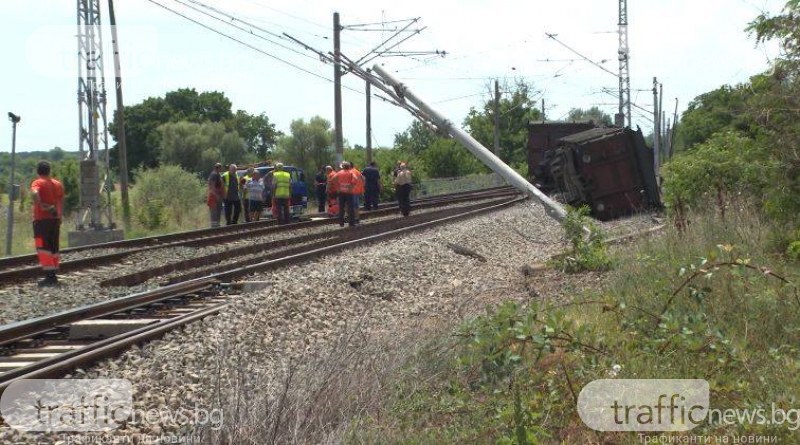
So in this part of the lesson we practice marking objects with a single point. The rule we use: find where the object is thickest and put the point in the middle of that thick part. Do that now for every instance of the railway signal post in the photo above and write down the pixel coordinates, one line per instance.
(12, 188)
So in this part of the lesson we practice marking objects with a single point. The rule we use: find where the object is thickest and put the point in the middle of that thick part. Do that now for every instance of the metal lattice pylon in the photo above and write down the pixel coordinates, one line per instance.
(92, 117)
(624, 116)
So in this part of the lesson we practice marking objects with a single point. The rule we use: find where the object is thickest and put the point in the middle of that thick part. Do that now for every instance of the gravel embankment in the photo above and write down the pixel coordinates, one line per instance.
(24, 300)
(386, 288)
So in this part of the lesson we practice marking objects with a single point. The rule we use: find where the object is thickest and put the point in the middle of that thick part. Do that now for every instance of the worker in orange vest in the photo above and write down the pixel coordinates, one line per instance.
(346, 182)
(48, 201)
(359, 190)
(331, 191)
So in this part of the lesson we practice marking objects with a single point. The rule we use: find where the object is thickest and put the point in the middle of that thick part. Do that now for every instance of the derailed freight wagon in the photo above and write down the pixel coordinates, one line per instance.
(608, 169)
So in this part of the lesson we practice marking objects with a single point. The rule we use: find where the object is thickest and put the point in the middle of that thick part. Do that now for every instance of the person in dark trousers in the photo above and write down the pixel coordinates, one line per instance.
(216, 195)
(372, 186)
(346, 184)
(321, 185)
(402, 186)
(245, 193)
(282, 191)
(232, 194)
(48, 200)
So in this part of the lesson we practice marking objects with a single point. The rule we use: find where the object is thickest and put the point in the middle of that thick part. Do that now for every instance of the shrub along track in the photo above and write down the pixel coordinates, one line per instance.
(51, 346)
(215, 236)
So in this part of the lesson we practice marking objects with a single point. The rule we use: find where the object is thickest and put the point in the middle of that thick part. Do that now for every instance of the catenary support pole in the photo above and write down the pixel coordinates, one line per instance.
(674, 126)
(496, 117)
(656, 128)
(369, 121)
(337, 89)
(553, 208)
(663, 125)
(544, 112)
(122, 145)
(10, 223)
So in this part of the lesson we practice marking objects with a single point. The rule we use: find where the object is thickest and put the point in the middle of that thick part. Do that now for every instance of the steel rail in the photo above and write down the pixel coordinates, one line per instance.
(343, 236)
(60, 364)
(15, 275)
(20, 260)
(16, 331)
(316, 253)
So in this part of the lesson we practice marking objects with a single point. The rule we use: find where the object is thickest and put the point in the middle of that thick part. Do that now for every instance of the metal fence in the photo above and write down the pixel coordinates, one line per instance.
(441, 186)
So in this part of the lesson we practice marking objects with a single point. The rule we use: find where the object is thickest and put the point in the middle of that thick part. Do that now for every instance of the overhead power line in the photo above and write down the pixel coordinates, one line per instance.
(358, 25)
(385, 41)
(232, 22)
(241, 42)
(553, 36)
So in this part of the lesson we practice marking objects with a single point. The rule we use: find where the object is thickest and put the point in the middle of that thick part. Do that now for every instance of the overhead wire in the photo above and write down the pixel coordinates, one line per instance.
(241, 42)
(232, 21)
(385, 41)
(302, 19)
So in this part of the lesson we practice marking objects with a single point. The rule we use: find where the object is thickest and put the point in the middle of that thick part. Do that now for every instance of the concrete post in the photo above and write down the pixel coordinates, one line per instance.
(554, 209)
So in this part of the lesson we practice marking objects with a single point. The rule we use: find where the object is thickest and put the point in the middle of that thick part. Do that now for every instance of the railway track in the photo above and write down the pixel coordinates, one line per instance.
(208, 237)
(50, 346)
(199, 234)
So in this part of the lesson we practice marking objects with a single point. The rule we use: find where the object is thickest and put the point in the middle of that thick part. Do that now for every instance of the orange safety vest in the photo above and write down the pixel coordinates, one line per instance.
(50, 191)
(346, 182)
(332, 187)
(359, 187)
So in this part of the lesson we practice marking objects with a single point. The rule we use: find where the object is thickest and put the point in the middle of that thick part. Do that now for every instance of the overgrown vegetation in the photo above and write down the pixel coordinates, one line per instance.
(710, 302)
(587, 251)
(164, 196)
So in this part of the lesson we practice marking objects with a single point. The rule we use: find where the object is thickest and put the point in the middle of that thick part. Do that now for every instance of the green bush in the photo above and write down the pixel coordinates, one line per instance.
(152, 215)
(727, 164)
(165, 194)
(587, 252)
(793, 251)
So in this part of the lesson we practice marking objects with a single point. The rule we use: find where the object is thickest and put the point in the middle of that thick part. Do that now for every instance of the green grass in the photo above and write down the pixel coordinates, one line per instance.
(713, 302)
(22, 238)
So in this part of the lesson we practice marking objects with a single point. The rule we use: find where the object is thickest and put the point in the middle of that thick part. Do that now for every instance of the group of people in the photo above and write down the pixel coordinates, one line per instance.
(343, 189)
(229, 194)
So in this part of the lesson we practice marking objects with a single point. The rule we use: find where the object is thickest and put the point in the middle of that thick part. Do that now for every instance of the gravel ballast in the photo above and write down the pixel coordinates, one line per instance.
(24, 300)
(382, 288)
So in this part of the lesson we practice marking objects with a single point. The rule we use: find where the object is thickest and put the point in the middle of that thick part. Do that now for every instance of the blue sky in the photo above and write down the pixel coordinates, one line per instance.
(691, 46)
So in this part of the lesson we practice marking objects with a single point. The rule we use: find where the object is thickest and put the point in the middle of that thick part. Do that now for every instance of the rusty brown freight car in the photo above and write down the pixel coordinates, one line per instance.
(544, 136)
(608, 169)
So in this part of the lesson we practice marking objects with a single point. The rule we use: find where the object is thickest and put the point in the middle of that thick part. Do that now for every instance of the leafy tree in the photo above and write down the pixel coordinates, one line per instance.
(722, 109)
(187, 104)
(416, 139)
(166, 193)
(56, 154)
(783, 28)
(196, 147)
(776, 109)
(446, 158)
(309, 144)
(257, 131)
(68, 172)
(592, 114)
(143, 120)
(728, 163)
(516, 111)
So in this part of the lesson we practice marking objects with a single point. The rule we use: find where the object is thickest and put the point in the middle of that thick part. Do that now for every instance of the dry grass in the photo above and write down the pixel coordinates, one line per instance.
(316, 400)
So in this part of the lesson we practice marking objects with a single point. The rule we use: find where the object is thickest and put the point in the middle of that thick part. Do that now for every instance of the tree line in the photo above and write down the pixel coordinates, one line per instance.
(738, 144)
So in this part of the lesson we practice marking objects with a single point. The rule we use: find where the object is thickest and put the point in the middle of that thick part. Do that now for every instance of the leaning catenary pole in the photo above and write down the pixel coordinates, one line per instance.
(553, 208)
